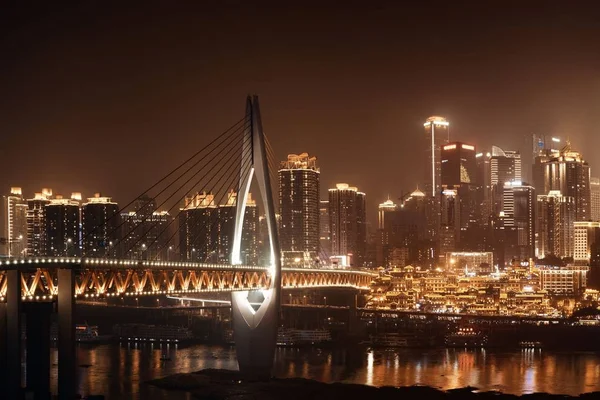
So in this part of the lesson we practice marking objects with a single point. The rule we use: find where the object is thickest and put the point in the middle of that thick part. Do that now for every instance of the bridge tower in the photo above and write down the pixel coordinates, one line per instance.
(256, 312)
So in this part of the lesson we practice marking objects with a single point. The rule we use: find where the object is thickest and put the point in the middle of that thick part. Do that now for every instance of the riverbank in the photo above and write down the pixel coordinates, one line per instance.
(217, 384)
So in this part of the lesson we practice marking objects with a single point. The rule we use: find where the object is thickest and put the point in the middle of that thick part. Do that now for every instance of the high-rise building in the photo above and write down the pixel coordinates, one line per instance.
(595, 199)
(518, 220)
(450, 223)
(586, 235)
(569, 173)
(146, 234)
(36, 220)
(460, 173)
(199, 229)
(299, 209)
(250, 242)
(436, 136)
(62, 220)
(99, 227)
(324, 231)
(13, 224)
(543, 151)
(484, 189)
(347, 223)
(555, 215)
(505, 166)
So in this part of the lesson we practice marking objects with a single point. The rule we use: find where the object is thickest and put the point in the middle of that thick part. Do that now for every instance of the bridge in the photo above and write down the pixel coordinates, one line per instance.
(104, 278)
(127, 251)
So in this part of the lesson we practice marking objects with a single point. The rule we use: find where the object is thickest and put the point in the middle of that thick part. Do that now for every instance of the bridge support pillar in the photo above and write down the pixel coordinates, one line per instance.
(352, 316)
(11, 335)
(38, 349)
(67, 372)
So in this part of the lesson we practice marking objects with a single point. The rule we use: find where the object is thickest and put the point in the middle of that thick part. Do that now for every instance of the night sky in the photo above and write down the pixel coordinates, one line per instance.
(108, 98)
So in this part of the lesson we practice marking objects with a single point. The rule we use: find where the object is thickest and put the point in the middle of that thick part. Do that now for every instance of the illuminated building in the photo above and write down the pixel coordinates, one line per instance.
(484, 189)
(595, 199)
(555, 215)
(518, 220)
(586, 235)
(437, 134)
(569, 173)
(199, 228)
(569, 280)
(62, 227)
(460, 173)
(347, 223)
(505, 166)
(543, 152)
(250, 234)
(99, 226)
(13, 224)
(324, 230)
(449, 234)
(470, 262)
(145, 232)
(36, 219)
(299, 209)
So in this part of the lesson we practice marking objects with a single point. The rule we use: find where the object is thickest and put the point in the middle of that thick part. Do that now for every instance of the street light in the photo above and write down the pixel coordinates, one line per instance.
(193, 252)
(67, 246)
(325, 299)
(169, 251)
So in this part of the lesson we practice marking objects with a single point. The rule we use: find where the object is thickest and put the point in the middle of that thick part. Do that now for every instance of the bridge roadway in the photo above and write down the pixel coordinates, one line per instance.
(101, 278)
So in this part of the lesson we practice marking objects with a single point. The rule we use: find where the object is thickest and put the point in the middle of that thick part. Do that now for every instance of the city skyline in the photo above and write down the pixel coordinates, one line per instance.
(391, 94)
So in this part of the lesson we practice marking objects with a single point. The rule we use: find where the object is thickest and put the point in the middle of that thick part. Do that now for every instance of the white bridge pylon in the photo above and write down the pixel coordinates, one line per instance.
(256, 312)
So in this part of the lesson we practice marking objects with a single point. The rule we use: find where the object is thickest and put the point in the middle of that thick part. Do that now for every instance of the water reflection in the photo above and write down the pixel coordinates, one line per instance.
(120, 371)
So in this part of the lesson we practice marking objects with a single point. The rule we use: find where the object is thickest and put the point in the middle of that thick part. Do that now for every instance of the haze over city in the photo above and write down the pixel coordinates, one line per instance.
(103, 87)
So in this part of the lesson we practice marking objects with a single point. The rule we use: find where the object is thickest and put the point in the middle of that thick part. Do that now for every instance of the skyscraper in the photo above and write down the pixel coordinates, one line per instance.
(450, 223)
(505, 166)
(555, 215)
(569, 173)
(595, 199)
(347, 223)
(324, 231)
(62, 227)
(518, 216)
(587, 249)
(250, 233)
(99, 226)
(13, 224)
(36, 220)
(436, 135)
(146, 232)
(299, 209)
(199, 229)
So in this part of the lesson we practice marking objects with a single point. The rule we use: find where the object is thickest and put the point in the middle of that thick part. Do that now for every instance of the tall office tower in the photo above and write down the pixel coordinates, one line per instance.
(99, 227)
(587, 249)
(450, 222)
(543, 151)
(146, 234)
(460, 173)
(299, 209)
(484, 189)
(555, 215)
(199, 228)
(13, 224)
(436, 135)
(324, 232)
(518, 215)
(250, 241)
(36, 220)
(386, 214)
(595, 199)
(347, 224)
(62, 227)
(569, 173)
(505, 166)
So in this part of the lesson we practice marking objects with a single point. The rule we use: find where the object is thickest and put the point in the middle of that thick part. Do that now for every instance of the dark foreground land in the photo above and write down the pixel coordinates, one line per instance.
(222, 384)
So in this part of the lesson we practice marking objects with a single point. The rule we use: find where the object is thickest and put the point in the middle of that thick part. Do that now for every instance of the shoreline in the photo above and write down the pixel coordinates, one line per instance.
(217, 384)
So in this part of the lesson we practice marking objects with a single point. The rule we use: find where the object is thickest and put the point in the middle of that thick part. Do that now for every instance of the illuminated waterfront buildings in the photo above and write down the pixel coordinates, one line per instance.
(595, 199)
(436, 136)
(518, 220)
(324, 231)
(13, 223)
(569, 173)
(250, 230)
(555, 215)
(62, 221)
(347, 223)
(505, 166)
(199, 229)
(36, 220)
(99, 226)
(470, 262)
(299, 209)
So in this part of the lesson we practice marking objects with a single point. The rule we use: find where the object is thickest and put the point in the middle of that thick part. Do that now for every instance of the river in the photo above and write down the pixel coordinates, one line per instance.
(120, 371)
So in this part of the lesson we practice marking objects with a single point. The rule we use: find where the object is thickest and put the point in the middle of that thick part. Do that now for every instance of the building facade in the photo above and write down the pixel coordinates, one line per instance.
(62, 220)
(99, 227)
(299, 209)
(518, 220)
(36, 223)
(437, 134)
(556, 216)
(347, 223)
(595, 199)
(13, 224)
